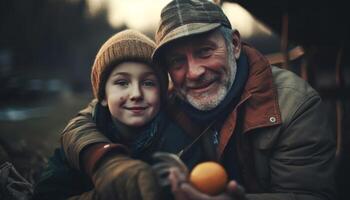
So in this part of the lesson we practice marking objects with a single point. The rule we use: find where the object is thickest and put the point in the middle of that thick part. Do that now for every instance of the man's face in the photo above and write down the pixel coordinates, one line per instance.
(201, 69)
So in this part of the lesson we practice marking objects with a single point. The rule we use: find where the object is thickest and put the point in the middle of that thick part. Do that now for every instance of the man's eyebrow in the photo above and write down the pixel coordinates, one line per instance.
(171, 55)
(209, 42)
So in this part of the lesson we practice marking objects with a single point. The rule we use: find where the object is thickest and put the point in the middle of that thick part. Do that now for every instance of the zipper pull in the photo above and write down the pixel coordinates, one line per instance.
(216, 137)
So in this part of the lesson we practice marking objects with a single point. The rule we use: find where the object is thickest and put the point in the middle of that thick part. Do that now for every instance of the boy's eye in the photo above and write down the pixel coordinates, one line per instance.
(149, 83)
(121, 82)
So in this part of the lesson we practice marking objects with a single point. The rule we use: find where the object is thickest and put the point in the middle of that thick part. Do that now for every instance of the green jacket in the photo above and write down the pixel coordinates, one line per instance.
(291, 147)
(285, 146)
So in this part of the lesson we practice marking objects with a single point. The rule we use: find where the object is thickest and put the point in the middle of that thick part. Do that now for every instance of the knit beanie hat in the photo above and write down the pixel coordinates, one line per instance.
(128, 45)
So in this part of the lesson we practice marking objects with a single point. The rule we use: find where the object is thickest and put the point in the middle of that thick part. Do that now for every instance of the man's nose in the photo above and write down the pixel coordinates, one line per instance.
(195, 69)
(135, 93)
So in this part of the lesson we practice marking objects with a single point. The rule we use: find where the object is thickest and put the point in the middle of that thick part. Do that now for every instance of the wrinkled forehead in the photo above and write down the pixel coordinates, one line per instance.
(192, 41)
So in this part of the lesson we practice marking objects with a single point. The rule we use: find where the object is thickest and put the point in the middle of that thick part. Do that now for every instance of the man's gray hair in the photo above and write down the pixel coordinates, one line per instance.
(227, 34)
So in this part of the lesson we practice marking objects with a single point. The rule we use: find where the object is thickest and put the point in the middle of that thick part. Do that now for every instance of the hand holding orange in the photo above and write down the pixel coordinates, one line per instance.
(209, 177)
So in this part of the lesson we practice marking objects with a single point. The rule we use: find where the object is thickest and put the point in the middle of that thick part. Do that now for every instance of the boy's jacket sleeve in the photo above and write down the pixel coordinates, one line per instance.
(80, 132)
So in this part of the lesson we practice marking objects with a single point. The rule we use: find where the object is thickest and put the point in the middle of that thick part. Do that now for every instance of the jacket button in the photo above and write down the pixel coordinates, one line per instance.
(272, 119)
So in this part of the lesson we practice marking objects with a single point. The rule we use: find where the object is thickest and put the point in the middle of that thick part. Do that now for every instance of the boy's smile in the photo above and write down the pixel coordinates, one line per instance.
(137, 110)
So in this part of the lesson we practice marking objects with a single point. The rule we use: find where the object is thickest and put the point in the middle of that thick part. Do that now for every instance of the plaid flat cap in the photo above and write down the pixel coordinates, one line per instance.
(182, 18)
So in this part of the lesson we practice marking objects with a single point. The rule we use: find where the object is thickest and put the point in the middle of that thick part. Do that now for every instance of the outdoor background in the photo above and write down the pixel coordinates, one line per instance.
(47, 48)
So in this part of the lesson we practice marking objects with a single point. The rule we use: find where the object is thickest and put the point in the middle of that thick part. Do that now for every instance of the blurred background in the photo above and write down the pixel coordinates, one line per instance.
(47, 48)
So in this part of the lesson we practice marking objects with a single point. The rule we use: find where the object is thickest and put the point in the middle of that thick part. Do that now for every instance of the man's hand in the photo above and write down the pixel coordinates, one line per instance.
(183, 190)
(121, 177)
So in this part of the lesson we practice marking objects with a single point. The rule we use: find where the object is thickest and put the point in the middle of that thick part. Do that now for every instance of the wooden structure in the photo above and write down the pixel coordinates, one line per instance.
(319, 32)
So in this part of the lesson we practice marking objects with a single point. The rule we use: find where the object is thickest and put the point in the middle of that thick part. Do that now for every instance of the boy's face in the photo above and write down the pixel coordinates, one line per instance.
(132, 93)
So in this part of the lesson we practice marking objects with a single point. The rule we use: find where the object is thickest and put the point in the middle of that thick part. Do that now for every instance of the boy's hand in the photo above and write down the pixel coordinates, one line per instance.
(183, 190)
(121, 177)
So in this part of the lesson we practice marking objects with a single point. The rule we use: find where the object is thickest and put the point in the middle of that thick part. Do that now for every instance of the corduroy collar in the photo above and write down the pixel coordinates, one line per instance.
(262, 107)
(259, 101)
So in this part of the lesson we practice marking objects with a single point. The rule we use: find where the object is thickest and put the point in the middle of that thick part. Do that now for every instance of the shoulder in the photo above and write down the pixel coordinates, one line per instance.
(294, 94)
(287, 80)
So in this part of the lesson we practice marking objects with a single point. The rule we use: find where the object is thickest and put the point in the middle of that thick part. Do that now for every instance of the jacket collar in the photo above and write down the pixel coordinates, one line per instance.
(258, 103)
(261, 107)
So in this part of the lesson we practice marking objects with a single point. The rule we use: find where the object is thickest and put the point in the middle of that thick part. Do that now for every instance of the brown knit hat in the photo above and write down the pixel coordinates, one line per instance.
(128, 45)
(183, 18)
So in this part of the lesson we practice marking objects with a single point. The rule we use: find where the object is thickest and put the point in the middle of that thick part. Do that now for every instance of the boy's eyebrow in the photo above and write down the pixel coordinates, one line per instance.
(120, 73)
(128, 74)
(150, 73)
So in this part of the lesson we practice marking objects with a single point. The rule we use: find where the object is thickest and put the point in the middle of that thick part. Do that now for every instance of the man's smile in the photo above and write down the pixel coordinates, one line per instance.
(203, 87)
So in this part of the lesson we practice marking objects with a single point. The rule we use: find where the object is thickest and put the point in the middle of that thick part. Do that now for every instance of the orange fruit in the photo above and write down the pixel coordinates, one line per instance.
(209, 177)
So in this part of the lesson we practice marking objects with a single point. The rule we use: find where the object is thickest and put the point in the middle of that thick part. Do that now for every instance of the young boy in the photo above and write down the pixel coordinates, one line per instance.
(131, 92)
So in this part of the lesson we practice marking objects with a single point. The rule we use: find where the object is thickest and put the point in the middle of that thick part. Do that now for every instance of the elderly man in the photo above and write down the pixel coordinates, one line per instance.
(272, 134)
(267, 127)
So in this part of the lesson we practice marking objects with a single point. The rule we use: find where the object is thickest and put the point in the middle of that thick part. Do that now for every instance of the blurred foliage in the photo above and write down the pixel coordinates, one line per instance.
(52, 34)
(43, 40)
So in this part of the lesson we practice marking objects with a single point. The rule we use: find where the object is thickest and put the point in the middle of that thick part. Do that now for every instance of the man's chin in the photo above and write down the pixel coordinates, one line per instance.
(208, 100)
(203, 102)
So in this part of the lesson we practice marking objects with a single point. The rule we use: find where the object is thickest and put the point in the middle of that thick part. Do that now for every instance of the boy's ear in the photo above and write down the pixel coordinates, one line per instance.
(104, 102)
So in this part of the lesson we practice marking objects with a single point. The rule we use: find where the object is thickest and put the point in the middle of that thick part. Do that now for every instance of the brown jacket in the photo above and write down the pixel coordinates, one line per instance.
(285, 145)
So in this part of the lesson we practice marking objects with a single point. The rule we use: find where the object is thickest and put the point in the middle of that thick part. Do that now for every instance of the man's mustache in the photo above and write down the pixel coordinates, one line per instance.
(202, 81)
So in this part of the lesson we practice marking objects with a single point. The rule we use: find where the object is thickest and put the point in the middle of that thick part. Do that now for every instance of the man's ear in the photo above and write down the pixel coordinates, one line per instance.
(237, 44)
(104, 102)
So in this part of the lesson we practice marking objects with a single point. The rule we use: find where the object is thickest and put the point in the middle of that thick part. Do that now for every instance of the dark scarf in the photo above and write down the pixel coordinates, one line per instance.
(109, 128)
(228, 103)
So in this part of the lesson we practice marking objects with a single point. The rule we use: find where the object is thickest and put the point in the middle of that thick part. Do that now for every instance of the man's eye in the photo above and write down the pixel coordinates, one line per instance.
(205, 52)
(176, 63)
(149, 83)
(121, 82)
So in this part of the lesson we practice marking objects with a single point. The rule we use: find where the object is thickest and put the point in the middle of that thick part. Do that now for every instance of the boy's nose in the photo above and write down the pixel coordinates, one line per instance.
(136, 93)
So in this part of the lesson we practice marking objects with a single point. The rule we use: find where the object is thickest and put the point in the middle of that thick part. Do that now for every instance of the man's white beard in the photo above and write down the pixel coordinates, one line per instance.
(206, 101)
